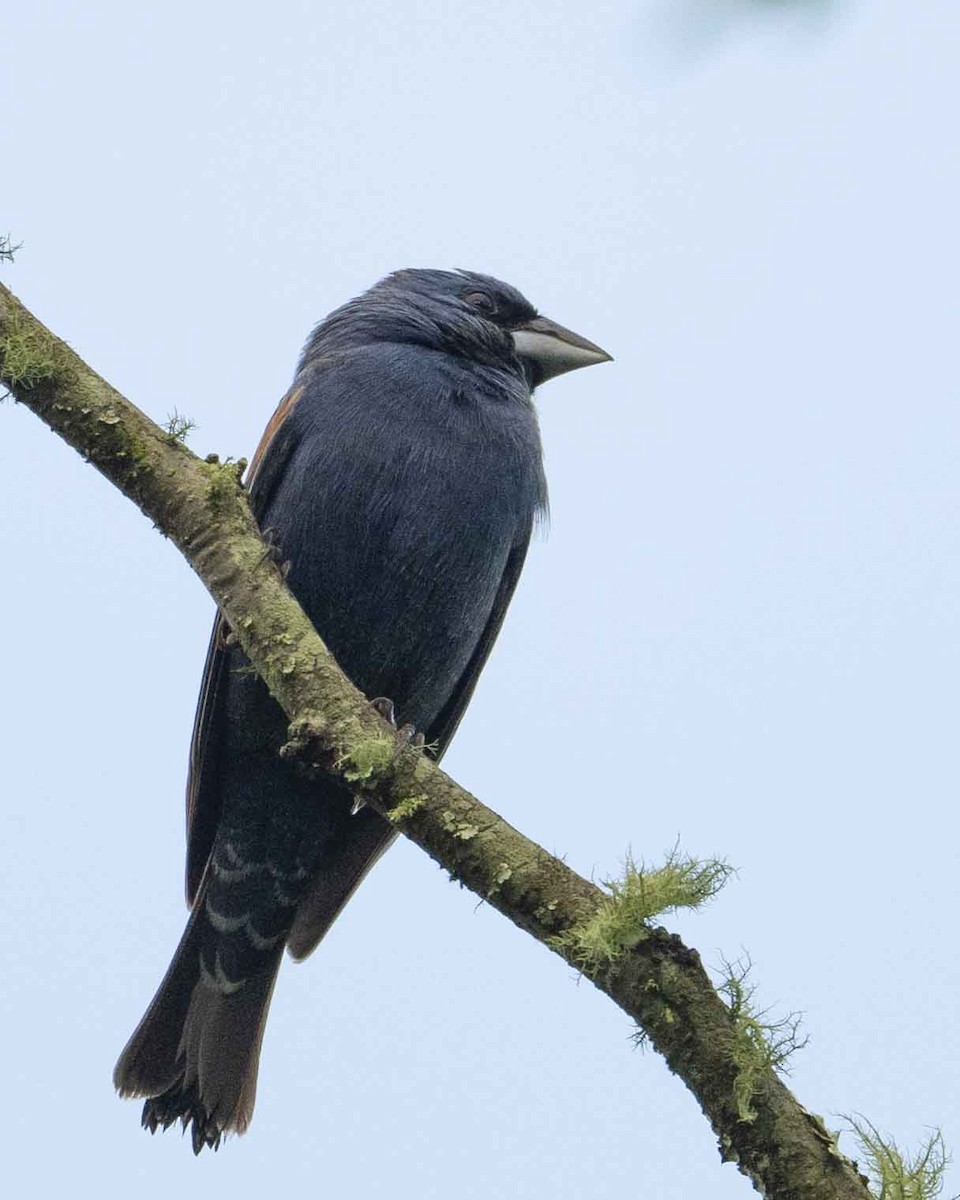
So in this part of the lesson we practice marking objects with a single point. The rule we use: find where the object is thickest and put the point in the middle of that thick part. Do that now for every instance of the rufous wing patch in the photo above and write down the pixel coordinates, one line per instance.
(284, 409)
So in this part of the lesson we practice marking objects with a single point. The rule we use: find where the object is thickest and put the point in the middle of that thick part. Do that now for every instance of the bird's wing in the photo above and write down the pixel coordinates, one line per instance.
(204, 800)
(444, 727)
(273, 453)
(349, 858)
(346, 861)
(203, 796)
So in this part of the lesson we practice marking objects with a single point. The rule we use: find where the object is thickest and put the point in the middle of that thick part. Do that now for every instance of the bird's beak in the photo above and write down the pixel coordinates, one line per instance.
(547, 349)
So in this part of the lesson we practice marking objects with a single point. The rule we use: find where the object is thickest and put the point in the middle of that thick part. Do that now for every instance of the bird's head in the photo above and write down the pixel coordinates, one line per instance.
(464, 313)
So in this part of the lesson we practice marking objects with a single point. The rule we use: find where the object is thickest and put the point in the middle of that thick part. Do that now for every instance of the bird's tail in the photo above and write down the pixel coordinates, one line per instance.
(195, 1054)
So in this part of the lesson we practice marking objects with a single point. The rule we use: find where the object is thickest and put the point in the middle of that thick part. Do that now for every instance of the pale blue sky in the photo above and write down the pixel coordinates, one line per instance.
(742, 630)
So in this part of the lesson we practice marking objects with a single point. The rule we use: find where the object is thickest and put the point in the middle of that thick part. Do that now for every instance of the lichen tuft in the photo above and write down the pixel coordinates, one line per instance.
(406, 808)
(26, 357)
(761, 1044)
(642, 893)
(222, 484)
(367, 758)
(178, 427)
(894, 1174)
(9, 248)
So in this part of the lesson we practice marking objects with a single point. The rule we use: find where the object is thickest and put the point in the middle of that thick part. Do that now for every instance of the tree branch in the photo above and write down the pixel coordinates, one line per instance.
(785, 1151)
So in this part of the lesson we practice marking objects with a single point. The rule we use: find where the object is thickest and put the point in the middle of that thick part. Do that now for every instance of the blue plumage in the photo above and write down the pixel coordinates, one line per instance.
(401, 477)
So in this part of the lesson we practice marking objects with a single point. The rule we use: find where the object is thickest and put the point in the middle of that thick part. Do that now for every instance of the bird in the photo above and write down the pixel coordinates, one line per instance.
(400, 479)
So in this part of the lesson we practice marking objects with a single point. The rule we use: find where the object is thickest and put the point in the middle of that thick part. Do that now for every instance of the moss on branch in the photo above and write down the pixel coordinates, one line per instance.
(894, 1173)
(642, 893)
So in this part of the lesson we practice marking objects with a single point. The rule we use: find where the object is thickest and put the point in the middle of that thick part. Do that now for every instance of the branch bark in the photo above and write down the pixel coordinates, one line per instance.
(200, 505)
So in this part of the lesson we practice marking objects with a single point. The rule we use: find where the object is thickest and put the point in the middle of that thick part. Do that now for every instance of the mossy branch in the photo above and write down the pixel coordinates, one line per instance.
(649, 973)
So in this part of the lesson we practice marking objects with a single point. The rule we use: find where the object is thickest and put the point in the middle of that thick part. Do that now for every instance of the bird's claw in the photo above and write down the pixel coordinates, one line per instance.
(384, 708)
(408, 734)
(405, 733)
(273, 550)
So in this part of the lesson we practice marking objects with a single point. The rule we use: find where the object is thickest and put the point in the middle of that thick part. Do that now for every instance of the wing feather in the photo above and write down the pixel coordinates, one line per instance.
(444, 727)
(204, 799)
(347, 861)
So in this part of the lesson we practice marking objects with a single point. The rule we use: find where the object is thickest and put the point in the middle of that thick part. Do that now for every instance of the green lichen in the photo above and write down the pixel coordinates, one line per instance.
(826, 1137)
(369, 757)
(9, 248)
(121, 443)
(503, 874)
(178, 427)
(222, 484)
(760, 1044)
(544, 912)
(405, 808)
(464, 830)
(642, 893)
(27, 357)
(895, 1175)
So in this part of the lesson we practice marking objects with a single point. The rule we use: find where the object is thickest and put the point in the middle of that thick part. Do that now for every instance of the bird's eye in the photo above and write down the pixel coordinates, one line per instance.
(481, 302)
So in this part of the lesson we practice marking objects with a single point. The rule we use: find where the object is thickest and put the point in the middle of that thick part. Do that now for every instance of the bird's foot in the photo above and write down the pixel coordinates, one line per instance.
(384, 708)
(405, 733)
(181, 1104)
(273, 550)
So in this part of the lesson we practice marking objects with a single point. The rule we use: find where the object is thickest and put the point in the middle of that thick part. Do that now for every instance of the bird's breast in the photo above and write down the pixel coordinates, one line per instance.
(398, 531)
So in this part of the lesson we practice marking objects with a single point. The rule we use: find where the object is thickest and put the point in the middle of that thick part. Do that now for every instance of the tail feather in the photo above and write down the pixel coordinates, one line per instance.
(148, 1064)
(194, 1057)
(195, 1054)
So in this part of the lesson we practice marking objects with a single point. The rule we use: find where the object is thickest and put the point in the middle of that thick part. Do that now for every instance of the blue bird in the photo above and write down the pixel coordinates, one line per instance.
(401, 476)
